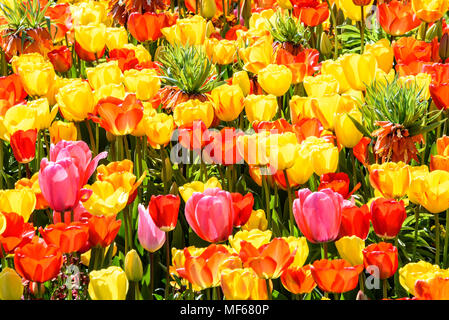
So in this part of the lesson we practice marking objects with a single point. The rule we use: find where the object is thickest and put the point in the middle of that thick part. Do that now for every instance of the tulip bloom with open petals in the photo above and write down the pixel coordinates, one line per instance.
(242, 284)
(391, 179)
(103, 230)
(335, 276)
(16, 232)
(387, 216)
(430, 11)
(311, 13)
(433, 289)
(397, 17)
(269, 260)
(146, 26)
(431, 191)
(298, 280)
(318, 214)
(164, 211)
(382, 255)
(68, 237)
(211, 214)
(150, 236)
(20, 201)
(38, 261)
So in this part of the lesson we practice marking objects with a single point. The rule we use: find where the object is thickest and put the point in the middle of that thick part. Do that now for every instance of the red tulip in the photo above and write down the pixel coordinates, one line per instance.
(303, 64)
(397, 17)
(338, 182)
(439, 87)
(126, 58)
(11, 92)
(383, 256)
(147, 26)
(307, 127)
(61, 59)
(387, 216)
(310, 12)
(103, 230)
(38, 261)
(23, 145)
(17, 233)
(335, 276)
(222, 147)
(86, 55)
(68, 237)
(243, 206)
(164, 211)
(355, 221)
(193, 136)
(361, 150)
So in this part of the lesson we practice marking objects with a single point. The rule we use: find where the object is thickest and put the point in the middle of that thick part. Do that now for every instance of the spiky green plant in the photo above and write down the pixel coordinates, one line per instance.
(286, 29)
(187, 68)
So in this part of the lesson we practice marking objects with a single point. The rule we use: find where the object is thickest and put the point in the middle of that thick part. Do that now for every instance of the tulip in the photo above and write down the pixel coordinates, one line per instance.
(241, 79)
(430, 191)
(14, 232)
(38, 261)
(430, 11)
(275, 79)
(164, 211)
(191, 110)
(11, 287)
(321, 85)
(408, 49)
(351, 10)
(33, 185)
(23, 145)
(383, 53)
(298, 280)
(106, 199)
(301, 249)
(258, 55)
(391, 179)
(222, 146)
(335, 276)
(305, 63)
(188, 189)
(260, 107)
(338, 182)
(334, 68)
(243, 206)
(194, 136)
(397, 17)
(18, 117)
(110, 90)
(387, 216)
(146, 26)
(221, 52)
(324, 156)
(257, 220)
(22, 202)
(302, 169)
(104, 73)
(75, 101)
(421, 270)
(211, 214)
(350, 249)
(318, 214)
(150, 236)
(116, 38)
(253, 149)
(145, 83)
(242, 284)
(133, 266)
(268, 261)
(189, 31)
(159, 128)
(433, 289)
(382, 255)
(281, 150)
(355, 221)
(67, 237)
(103, 230)
(359, 69)
(108, 284)
(203, 270)
(91, 38)
(256, 237)
(60, 130)
(44, 116)
(311, 13)
(227, 101)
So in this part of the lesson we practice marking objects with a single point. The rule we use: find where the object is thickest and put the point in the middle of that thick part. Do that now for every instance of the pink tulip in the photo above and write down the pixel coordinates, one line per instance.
(150, 236)
(80, 153)
(318, 214)
(211, 214)
(60, 183)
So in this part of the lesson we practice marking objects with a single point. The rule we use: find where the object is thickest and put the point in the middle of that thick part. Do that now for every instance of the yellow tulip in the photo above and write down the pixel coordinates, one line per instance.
(110, 90)
(260, 107)
(258, 20)
(227, 101)
(334, 68)
(142, 54)
(282, 150)
(345, 130)
(253, 148)
(324, 155)
(75, 101)
(352, 11)
(133, 266)
(36, 78)
(383, 53)
(159, 128)
(188, 189)
(302, 250)
(391, 179)
(189, 31)
(419, 82)
(421, 270)
(242, 284)
(148, 112)
(19, 117)
(116, 38)
(27, 58)
(89, 12)
(60, 130)
(257, 220)
(302, 168)
(284, 4)
(144, 83)
(104, 73)
(221, 52)
(430, 11)
(255, 236)
(431, 190)
(20, 201)
(300, 107)
(360, 70)
(325, 108)
(108, 284)
(92, 37)
(11, 287)
(44, 116)
(192, 110)
(106, 199)
(275, 79)
(258, 55)
(350, 249)
(241, 79)
(321, 85)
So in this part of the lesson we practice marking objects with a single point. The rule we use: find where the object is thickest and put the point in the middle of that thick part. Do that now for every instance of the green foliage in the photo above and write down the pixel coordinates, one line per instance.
(286, 29)
(188, 68)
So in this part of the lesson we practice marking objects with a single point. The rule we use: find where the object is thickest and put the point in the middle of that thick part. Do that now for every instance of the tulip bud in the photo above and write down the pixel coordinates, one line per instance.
(340, 16)
(444, 47)
(208, 9)
(133, 266)
(431, 33)
(325, 45)
(11, 287)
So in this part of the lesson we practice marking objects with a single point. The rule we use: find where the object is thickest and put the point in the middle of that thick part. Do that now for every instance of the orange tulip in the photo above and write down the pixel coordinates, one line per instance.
(68, 237)
(119, 117)
(311, 13)
(16, 233)
(103, 230)
(298, 280)
(303, 64)
(335, 276)
(440, 161)
(268, 261)
(434, 289)
(397, 17)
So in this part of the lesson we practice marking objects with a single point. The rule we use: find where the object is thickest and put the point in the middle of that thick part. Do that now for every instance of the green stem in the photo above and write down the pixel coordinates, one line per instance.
(325, 253)
(384, 288)
(437, 239)
(415, 240)
(266, 189)
(167, 263)
(164, 171)
(362, 30)
(151, 274)
(446, 238)
(290, 204)
(269, 293)
(91, 136)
